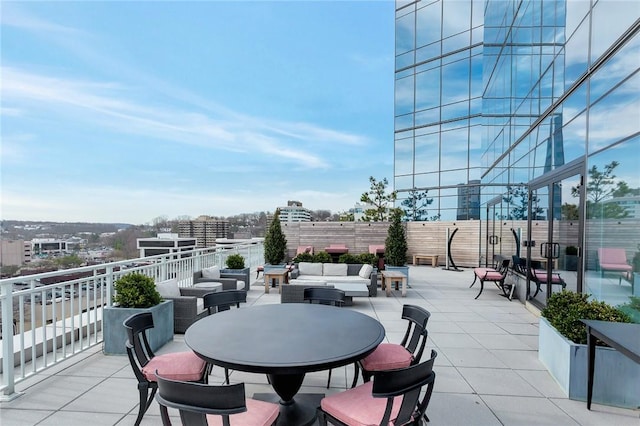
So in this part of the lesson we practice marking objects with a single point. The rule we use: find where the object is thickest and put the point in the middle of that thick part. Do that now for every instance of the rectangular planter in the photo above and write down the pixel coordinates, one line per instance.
(115, 336)
(616, 380)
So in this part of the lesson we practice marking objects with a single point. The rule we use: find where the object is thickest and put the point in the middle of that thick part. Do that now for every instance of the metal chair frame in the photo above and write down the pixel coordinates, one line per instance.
(222, 301)
(140, 353)
(414, 340)
(325, 296)
(408, 382)
(195, 401)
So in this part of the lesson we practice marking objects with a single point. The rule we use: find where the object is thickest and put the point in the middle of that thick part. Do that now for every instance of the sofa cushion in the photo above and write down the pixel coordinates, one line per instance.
(365, 271)
(212, 273)
(334, 269)
(308, 268)
(311, 278)
(168, 288)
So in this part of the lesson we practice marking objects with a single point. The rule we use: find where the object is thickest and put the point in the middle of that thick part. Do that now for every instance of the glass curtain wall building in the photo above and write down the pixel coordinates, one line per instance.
(549, 126)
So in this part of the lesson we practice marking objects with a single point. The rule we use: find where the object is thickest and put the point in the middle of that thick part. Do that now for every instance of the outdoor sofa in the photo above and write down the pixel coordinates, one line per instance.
(319, 274)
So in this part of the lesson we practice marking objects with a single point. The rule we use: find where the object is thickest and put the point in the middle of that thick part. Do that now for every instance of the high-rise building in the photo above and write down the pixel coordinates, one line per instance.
(14, 252)
(539, 100)
(294, 212)
(204, 229)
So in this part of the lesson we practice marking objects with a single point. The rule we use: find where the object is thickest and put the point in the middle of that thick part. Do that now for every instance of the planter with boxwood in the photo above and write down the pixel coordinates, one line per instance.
(275, 244)
(235, 268)
(562, 349)
(135, 293)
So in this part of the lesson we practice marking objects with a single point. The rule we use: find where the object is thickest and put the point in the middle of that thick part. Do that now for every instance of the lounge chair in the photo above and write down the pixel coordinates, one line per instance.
(614, 259)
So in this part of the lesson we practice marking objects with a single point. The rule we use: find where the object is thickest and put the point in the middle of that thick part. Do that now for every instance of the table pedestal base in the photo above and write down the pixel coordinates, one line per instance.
(301, 411)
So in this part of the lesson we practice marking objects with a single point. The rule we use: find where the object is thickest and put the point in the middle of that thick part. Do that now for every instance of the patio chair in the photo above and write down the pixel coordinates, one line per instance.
(325, 296)
(203, 405)
(304, 249)
(222, 301)
(497, 276)
(185, 366)
(614, 259)
(393, 398)
(390, 356)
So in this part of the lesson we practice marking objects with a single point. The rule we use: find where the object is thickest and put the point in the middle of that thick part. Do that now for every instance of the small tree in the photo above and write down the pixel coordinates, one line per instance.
(275, 242)
(415, 206)
(395, 246)
(377, 196)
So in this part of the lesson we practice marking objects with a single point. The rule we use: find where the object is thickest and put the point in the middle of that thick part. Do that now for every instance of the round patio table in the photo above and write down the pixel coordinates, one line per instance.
(285, 341)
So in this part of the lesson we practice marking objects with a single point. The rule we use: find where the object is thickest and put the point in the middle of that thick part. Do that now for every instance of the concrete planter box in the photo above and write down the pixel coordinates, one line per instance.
(403, 269)
(616, 379)
(114, 334)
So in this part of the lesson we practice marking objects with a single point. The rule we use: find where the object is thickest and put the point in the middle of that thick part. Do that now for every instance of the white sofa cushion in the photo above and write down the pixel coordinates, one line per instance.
(334, 269)
(307, 283)
(212, 273)
(308, 268)
(365, 271)
(168, 288)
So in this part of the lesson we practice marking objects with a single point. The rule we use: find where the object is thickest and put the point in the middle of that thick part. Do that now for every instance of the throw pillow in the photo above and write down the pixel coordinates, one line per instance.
(168, 288)
(365, 271)
(212, 273)
(308, 268)
(334, 269)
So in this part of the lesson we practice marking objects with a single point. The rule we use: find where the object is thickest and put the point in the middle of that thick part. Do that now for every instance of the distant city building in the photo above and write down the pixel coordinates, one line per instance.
(631, 204)
(469, 200)
(48, 246)
(204, 229)
(164, 244)
(294, 212)
(15, 252)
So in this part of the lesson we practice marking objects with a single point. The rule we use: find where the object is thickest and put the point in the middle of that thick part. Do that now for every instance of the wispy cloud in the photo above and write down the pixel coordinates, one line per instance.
(108, 104)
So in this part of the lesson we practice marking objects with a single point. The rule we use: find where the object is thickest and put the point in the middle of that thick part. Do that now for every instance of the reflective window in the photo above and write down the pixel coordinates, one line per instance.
(405, 37)
(604, 14)
(428, 24)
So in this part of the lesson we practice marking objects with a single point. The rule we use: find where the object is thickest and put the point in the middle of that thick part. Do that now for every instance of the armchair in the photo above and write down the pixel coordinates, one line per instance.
(229, 281)
(188, 306)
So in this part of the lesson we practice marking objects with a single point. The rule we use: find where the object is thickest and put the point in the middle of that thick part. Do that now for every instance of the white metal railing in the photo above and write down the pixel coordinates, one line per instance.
(52, 316)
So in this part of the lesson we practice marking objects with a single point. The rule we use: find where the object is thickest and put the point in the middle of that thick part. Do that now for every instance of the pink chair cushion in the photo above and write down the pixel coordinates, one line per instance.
(491, 276)
(259, 413)
(612, 255)
(183, 366)
(541, 275)
(357, 407)
(387, 356)
(616, 267)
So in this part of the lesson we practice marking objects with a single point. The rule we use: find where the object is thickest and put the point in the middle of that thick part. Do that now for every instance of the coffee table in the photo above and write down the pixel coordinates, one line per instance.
(286, 341)
(279, 274)
(389, 276)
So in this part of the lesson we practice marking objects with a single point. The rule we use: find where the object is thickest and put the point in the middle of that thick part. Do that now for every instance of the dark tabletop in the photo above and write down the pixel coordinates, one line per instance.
(288, 338)
(625, 336)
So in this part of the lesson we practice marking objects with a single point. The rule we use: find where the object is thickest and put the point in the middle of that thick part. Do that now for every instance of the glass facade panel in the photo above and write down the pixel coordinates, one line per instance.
(508, 91)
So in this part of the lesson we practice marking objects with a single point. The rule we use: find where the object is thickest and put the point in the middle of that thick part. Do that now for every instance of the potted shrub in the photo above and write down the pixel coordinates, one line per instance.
(235, 268)
(275, 243)
(322, 257)
(303, 257)
(395, 246)
(135, 293)
(571, 258)
(562, 349)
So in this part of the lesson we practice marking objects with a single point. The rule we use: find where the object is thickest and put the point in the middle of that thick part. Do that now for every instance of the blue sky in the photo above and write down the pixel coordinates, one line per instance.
(125, 111)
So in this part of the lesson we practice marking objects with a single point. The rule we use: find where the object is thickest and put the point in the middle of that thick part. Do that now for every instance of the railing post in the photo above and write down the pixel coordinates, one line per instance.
(109, 284)
(6, 301)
